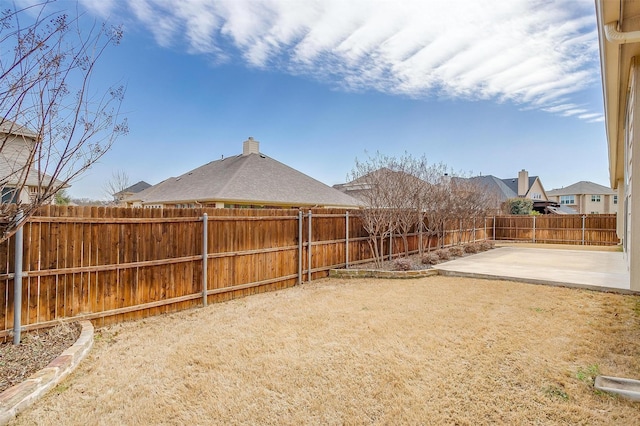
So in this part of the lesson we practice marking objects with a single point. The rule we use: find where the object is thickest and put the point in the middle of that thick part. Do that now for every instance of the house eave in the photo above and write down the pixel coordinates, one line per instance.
(245, 202)
(615, 65)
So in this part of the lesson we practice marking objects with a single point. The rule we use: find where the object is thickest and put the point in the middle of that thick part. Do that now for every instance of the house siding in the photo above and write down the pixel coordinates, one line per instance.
(537, 188)
(584, 205)
(632, 182)
(15, 154)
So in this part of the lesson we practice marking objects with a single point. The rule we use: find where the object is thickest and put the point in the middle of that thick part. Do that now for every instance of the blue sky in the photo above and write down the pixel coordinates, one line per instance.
(487, 87)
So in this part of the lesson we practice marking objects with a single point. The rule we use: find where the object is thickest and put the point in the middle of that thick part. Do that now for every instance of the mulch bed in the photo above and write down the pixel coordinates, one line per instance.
(35, 351)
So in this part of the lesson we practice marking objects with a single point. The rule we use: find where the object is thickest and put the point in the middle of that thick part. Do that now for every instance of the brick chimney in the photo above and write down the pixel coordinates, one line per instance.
(523, 182)
(250, 146)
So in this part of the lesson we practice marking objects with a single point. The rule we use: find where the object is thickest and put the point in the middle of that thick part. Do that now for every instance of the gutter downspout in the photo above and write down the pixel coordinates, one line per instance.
(616, 37)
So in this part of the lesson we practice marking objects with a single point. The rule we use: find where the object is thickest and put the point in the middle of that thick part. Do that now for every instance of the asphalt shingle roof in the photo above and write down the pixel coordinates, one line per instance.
(512, 184)
(254, 178)
(582, 187)
(136, 187)
(495, 186)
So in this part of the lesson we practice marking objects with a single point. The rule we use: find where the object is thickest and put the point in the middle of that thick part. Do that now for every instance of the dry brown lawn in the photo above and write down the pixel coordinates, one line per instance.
(436, 350)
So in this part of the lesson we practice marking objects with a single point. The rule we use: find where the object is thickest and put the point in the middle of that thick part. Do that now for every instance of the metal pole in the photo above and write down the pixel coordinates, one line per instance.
(17, 282)
(346, 244)
(583, 219)
(390, 244)
(205, 257)
(485, 228)
(534, 229)
(309, 248)
(300, 236)
(494, 229)
(420, 237)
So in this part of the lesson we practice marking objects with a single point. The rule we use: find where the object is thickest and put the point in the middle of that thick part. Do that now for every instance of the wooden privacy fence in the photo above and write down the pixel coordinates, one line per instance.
(599, 229)
(115, 264)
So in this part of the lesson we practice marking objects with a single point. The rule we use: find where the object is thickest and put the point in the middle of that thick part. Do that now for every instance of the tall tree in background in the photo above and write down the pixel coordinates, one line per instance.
(118, 182)
(53, 126)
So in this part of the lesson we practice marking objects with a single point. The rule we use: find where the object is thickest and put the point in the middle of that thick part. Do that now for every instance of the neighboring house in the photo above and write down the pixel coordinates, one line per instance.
(129, 191)
(499, 190)
(248, 180)
(17, 144)
(523, 186)
(586, 198)
(619, 36)
(363, 188)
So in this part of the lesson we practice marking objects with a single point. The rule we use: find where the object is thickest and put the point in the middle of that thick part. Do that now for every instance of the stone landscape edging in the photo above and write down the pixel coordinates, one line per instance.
(20, 396)
(375, 273)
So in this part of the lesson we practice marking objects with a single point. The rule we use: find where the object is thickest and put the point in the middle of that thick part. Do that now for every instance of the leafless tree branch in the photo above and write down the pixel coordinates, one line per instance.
(53, 125)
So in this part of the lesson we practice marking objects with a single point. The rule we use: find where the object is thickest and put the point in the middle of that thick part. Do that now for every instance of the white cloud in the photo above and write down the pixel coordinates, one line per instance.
(103, 8)
(529, 52)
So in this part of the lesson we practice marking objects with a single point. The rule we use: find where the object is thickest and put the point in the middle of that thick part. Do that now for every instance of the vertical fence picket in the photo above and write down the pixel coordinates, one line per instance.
(346, 240)
(309, 248)
(300, 247)
(205, 257)
(17, 283)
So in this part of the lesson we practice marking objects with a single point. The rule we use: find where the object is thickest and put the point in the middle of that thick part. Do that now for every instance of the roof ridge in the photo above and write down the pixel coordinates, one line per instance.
(233, 175)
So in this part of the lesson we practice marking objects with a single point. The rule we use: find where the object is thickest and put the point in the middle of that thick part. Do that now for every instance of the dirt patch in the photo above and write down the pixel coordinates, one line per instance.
(436, 350)
(36, 350)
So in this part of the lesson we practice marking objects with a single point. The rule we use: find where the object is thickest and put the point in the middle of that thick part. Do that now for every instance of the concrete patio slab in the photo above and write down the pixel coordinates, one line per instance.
(595, 270)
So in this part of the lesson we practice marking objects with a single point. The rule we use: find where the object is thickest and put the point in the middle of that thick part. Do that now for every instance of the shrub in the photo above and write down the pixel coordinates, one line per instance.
(471, 248)
(519, 205)
(443, 254)
(456, 251)
(487, 245)
(402, 264)
(430, 259)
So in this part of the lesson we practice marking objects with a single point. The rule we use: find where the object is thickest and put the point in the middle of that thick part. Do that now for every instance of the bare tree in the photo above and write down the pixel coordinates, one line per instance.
(391, 189)
(435, 201)
(372, 178)
(53, 126)
(119, 182)
(463, 201)
(406, 194)
(407, 187)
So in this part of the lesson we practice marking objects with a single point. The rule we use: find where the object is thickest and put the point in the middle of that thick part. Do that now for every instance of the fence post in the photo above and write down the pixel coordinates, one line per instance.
(309, 248)
(534, 229)
(583, 220)
(474, 230)
(346, 239)
(420, 237)
(205, 257)
(300, 245)
(493, 237)
(485, 228)
(17, 282)
(390, 245)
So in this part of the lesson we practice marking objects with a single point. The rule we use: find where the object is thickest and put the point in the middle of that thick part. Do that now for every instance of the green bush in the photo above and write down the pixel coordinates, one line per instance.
(522, 206)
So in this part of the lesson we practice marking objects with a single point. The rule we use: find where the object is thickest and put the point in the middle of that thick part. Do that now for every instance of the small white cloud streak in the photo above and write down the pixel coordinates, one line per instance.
(529, 52)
